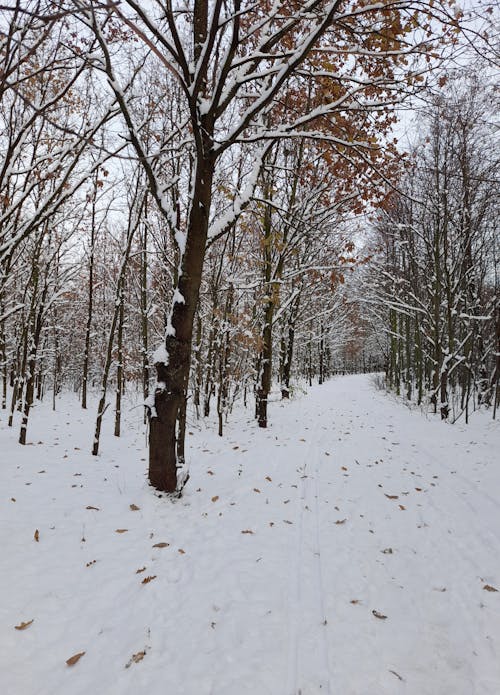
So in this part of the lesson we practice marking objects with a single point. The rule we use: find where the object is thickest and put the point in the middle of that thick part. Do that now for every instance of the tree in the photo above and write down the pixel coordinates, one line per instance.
(437, 278)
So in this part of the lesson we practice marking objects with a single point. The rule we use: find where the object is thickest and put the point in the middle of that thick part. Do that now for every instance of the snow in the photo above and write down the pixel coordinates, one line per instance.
(160, 355)
(285, 542)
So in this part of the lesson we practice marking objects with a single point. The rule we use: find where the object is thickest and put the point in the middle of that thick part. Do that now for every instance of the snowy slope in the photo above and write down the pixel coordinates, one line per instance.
(283, 547)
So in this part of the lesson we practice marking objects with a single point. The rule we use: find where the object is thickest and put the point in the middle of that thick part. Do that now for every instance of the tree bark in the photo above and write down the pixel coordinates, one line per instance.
(172, 378)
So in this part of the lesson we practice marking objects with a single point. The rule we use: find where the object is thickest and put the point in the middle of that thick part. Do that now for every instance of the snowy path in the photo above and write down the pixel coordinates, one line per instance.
(286, 543)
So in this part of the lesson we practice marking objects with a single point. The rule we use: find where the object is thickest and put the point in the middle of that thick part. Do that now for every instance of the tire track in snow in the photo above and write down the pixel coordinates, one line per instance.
(306, 599)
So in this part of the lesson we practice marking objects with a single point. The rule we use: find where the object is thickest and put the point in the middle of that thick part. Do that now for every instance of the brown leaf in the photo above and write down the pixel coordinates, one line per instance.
(256, 489)
(74, 659)
(488, 587)
(418, 489)
(268, 478)
(90, 507)
(210, 472)
(247, 531)
(215, 498)
(341, 521)
(161, 545)
(23, 626)
(391, 497)
(285, 521)
(402, 507)
(121, 530)
(141, 569)
(134, 508)
(344, 468)
(235, 447)
(379, 615)
(36, 535)
(355, 601)
(135, 658)
(146, 580)
(181, 551)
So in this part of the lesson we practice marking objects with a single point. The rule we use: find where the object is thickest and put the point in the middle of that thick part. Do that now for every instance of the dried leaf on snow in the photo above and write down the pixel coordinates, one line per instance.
(146, 580)
(135, 658)
(74, 659)
(23, 626)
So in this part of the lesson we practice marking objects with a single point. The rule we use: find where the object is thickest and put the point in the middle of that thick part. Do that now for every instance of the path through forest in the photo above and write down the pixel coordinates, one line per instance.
(352, 549)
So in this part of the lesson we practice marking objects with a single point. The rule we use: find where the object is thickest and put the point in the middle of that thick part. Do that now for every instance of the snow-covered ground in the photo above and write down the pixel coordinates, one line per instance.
(352, 548)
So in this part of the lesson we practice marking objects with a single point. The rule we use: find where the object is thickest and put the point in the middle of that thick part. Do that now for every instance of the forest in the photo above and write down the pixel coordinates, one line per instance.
(249, 347)
(198, 202)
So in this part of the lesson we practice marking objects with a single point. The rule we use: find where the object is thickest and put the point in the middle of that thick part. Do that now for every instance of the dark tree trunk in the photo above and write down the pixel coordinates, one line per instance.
(173, 377)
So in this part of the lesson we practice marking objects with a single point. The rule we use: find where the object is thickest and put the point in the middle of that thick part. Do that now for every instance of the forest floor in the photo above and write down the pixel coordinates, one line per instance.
(352, 548)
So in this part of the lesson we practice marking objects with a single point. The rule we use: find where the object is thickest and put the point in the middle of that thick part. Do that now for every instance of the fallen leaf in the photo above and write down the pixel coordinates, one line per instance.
(379, 615)
(73, 659)
(135, 658)
(181, 551)
(487, 587)
(344, 468)
(247, 531)
(391, 497)
(141, 569)
(418, 489)
(146, 580)
(121, 530)
(12, 499)
(23, 626)
(134, 508)
(402, 507)
(285, 521)
(256, 489)
(268, 478)
(90, 507)
(161, 545)
(302, 440)
(210, 472)
(215, 498)
(36, 535)
(355, 601)
(327, 453)
(341, 521)
(235, 447)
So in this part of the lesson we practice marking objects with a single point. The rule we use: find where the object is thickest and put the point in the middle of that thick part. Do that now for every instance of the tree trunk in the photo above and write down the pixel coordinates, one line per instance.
(119, 371)
(173, 368)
